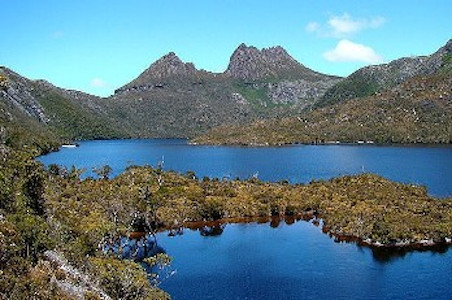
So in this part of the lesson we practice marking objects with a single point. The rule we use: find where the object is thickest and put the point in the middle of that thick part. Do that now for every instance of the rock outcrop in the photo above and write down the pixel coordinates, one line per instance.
(251, 64)
(19, 92)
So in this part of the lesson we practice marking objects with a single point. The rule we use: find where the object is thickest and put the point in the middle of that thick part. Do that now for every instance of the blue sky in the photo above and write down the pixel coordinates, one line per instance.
(99, 45)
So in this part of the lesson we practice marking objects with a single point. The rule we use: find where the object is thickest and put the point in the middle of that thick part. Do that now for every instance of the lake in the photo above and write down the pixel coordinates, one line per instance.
(257, 261)
(427, 165)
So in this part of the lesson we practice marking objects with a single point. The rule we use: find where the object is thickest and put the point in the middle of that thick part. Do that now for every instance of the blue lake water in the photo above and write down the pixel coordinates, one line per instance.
(429, 166)
(256, 261)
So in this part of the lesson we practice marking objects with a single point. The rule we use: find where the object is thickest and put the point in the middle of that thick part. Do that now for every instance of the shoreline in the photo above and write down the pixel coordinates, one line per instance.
(316, 220)
(332, 143)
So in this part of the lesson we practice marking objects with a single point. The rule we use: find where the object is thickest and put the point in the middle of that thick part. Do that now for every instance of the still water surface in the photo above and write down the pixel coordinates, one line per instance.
(256, 261)
(429, 166)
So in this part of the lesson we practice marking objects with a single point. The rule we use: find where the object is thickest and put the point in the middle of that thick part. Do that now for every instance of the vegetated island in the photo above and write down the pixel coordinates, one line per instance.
(416, 111)
(377, 211)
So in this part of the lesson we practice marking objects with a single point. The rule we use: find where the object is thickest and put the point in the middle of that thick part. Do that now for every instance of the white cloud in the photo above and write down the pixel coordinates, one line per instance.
(312, 27)
(344, 26)
(347, 51)
(98, 83)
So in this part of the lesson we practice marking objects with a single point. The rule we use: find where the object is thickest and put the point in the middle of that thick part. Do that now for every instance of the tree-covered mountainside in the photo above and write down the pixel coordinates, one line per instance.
(32, 263)
(20, 131)
(416, 111)
(68, 114)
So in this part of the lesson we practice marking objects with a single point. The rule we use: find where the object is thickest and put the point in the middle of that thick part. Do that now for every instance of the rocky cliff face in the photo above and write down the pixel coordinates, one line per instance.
(369, 80)
(276, 78)
(18, 91)
(252, 64)
(301, 92)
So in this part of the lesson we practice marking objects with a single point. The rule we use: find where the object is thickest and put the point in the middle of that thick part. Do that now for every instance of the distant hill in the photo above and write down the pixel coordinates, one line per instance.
(416, 111)
(369, 80)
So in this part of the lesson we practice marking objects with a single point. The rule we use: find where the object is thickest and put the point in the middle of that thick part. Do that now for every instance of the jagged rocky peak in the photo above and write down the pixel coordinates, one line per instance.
(167, 66)
(170, 64)
(447, 48)
(250, 63)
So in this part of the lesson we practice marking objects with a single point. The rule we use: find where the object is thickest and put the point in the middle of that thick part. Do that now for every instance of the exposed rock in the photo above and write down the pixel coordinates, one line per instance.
(237, 97)
(301, 92)
(169, 65)
(250, 63)
(18, 92)
(76, 283)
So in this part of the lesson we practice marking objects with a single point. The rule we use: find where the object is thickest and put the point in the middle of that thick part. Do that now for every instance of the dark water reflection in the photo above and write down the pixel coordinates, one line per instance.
(297, 261)
(388, 255)
(430, 166)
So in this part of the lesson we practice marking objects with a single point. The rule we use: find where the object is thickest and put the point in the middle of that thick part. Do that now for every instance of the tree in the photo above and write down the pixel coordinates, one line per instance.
(103, 172)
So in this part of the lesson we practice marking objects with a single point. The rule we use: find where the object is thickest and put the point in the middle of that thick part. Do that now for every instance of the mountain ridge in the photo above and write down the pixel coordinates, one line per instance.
(250, 63)
(371, 79)
(172, 98)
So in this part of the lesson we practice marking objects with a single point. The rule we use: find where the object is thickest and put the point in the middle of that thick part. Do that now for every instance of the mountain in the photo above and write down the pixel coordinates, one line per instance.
(173, 99)
(168, 66)
(63, 113)
(271, 77)
(251, 64)
(416, 111)
(371, 79)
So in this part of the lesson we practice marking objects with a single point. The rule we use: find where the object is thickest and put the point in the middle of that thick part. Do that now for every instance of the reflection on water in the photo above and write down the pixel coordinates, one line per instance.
(211, 230)
(387, 255)
(134, 248)
(380, 254)
(292, 259)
